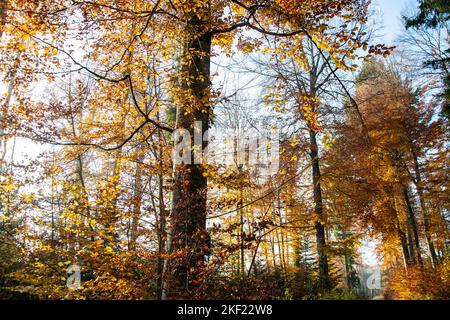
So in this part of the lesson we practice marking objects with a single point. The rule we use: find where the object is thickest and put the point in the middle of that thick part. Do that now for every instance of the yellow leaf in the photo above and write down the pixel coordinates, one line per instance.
(109, 250)
(27, 197)
(8, 187)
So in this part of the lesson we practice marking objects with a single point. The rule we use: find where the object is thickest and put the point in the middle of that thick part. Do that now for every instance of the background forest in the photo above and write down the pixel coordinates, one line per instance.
(95, 207)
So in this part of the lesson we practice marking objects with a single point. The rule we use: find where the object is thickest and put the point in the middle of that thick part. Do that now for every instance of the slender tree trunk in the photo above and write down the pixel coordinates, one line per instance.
(52, 201)
(272, 247)
(347, 271)
(404, 243)
(5, 107)
(266, 256)
(413, 224)
(161, 223)
(280, 239)
(401, 234)
(241, 224)
(426, 217)
(2, 16)
(318, 209)
(2, 141)
(137, 201)
(410, 241)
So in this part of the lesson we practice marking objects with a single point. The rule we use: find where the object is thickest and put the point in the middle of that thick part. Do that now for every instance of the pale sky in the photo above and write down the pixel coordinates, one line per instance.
(391, 12)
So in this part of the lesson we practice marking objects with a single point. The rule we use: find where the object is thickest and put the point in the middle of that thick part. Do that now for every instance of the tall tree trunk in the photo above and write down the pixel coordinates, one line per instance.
(413, 224)
(321, 241)
(318, 210)
(410, 241)
(426, 217)
(266, 258)
(2, 16)
(11, 83)
(137, 201)
(2, 141)
(241, 231)
(161, 236)
(401, 234)
(189, 238)
(161, 232)
(274, 257)
(404, 244)
(280, 239)
(347, 272)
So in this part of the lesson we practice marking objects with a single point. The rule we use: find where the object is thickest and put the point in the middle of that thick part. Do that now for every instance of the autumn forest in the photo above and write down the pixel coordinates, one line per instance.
(223, 150)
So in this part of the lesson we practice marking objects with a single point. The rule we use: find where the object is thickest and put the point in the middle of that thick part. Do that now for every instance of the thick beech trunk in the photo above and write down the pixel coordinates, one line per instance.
(189, 240)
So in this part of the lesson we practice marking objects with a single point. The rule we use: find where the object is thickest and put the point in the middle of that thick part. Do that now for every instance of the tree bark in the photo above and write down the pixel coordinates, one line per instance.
(401, 234)
(2, 17)
(426, 218)
(161, 232)
(318, 210)
(413, 224)
(241, 225)
(137, 201)
(189, 239)
(404, 243)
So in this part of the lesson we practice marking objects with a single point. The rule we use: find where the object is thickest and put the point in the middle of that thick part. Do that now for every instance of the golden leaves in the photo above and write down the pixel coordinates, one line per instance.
(28, 198)
(109, 250)
(64, 264)
(248, 45)
(8, 186)
(225, 42)
(308, 105)
(328, 140)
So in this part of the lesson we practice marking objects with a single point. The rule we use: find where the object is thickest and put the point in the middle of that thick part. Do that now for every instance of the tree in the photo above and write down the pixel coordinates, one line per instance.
(432, 18)
(431, 14)
(377, 177)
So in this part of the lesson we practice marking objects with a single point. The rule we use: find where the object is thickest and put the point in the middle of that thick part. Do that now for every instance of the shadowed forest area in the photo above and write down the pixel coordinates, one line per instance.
(223, 150)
